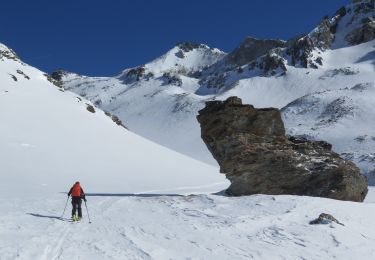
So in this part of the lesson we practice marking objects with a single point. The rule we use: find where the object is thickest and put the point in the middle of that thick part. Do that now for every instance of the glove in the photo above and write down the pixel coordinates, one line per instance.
(85, 199)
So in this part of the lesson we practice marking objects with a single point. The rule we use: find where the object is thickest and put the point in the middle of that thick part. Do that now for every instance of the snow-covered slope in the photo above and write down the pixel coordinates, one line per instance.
(144, 97)
(344, 67)
(187, 227)
(48, 139)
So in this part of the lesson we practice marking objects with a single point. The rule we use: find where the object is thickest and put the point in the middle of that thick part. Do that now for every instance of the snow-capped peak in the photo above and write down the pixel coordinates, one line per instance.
(184, 59)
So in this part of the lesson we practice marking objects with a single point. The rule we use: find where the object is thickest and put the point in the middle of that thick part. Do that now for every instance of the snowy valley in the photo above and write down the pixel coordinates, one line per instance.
(154, 191)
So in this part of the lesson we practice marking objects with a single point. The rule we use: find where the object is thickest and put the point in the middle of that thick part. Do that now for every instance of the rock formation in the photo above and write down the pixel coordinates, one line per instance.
(253, 151)
(325, 219)
(364, 16)
(363, 34)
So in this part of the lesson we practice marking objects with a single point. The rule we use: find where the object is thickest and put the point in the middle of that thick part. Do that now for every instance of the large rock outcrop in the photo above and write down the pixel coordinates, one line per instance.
(253, 151)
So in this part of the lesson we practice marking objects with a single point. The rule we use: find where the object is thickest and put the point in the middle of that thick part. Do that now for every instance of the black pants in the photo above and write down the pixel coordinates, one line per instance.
(76, 203)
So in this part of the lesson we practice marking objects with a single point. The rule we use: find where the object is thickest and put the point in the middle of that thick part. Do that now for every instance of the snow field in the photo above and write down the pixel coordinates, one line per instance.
(187, 227)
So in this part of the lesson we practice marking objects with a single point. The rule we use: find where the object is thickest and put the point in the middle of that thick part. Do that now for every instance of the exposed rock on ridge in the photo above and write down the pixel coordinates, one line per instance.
(7, 53)
(250, 49)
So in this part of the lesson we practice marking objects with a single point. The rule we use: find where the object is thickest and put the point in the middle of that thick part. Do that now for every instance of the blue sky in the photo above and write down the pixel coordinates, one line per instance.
(100, 38)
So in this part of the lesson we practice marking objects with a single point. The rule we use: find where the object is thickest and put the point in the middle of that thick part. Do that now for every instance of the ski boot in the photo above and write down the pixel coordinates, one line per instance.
(75, 218)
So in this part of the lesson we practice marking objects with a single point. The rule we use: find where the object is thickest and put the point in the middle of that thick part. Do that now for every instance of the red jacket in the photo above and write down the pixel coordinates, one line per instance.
(76, 191)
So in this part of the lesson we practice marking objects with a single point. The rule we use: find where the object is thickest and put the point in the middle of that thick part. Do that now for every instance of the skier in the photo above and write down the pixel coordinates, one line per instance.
(77, 195)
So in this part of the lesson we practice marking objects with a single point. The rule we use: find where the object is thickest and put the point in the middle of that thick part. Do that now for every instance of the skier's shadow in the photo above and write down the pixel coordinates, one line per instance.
(45, 216)
(144, 195)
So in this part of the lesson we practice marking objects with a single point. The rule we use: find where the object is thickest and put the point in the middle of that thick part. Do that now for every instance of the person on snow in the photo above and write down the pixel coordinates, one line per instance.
(77, 195)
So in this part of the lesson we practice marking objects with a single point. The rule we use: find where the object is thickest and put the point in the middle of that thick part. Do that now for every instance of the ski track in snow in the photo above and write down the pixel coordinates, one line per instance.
(147, 226)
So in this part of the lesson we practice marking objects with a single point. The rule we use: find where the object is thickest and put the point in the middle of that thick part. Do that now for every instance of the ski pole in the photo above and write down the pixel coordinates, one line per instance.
(66, 204)
(87, 212)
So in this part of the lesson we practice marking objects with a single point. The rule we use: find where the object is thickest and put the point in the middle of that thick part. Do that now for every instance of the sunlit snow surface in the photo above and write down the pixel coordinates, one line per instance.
(48, 140)
(186, 227)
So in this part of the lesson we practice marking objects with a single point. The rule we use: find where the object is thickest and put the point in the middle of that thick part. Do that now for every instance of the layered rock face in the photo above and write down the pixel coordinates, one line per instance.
(364, 16)
(253, 151)
(251, 49)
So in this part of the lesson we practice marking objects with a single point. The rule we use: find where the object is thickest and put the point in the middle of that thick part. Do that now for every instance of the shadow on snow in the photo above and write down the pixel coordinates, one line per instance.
(46, 216)
(146, 195)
